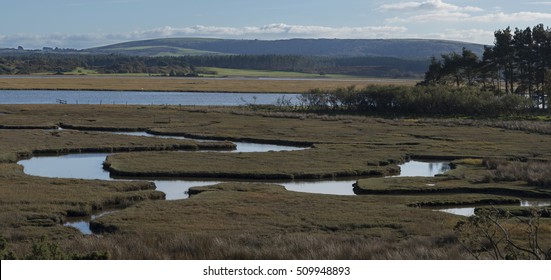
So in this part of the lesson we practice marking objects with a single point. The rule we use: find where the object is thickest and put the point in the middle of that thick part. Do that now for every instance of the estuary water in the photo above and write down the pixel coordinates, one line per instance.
(141, 98)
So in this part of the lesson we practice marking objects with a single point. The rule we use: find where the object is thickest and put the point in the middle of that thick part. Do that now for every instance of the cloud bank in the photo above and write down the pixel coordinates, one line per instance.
(440, 11)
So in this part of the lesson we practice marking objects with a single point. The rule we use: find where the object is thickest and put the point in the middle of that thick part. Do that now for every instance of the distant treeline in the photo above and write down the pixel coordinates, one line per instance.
(42, 62)
(359, 66)
(103, 64)
(518, 63)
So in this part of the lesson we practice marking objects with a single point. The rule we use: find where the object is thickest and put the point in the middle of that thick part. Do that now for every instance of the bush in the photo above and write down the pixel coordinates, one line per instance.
(421, 100)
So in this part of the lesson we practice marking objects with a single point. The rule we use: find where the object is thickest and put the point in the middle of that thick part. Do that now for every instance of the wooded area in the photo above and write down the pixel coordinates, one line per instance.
(519, 63)
(185, 65)
(102, 64)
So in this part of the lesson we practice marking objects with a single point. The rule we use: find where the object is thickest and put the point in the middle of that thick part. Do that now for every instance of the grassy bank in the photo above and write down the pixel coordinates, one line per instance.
(39, 141)
(323, 161)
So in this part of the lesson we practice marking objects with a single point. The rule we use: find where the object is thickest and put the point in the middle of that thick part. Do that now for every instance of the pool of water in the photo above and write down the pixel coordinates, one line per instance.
(423, 168)
(469, 211)
(140, 97)
(83, 223)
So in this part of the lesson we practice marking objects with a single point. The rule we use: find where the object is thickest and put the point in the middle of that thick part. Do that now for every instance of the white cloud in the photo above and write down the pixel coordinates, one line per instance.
(432, 17)
(428, 5)
(540, 3)
(512, 17)
(497, 17)
(271, 31)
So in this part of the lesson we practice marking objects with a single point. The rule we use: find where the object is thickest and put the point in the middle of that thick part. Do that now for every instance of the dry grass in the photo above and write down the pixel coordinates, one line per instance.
(535, 173)
(186, 84)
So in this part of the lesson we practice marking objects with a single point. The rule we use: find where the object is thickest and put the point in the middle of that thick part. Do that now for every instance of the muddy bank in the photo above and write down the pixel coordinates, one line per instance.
(215, 146)
(253, 176)
(235, 139)
(455, 190)
(519, 211)
(28, 126)
(101, 128)
(487, 201)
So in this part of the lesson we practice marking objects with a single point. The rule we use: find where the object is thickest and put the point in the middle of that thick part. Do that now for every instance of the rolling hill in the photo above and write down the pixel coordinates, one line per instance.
(399, 48)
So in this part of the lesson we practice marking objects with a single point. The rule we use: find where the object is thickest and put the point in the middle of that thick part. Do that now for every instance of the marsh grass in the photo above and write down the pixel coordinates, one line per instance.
(32, 206)
(38, 141)
(239, 220)
(259, 221)
(321, 162)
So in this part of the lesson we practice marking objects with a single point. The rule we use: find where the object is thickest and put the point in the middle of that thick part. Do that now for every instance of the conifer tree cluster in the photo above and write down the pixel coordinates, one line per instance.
(519, 62)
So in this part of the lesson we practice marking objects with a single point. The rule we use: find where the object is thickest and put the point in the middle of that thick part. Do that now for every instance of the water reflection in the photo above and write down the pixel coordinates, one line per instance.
(466, 212)
(423, 168)
(535, 203)
(335, 187)
(71, 166)
(83, 223)
(178, 189)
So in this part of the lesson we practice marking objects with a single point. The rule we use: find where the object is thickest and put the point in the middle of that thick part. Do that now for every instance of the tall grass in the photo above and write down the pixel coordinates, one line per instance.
(535, 173)
(251, 246)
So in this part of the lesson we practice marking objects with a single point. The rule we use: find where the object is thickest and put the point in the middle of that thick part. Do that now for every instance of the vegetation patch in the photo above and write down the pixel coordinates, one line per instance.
(324, 161)
(32, 206)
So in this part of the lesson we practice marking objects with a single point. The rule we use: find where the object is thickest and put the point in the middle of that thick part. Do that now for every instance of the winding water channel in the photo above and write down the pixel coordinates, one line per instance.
(90, 166)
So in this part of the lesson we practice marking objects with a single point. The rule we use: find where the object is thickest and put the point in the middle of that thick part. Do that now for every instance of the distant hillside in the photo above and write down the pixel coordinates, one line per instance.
(400, 48)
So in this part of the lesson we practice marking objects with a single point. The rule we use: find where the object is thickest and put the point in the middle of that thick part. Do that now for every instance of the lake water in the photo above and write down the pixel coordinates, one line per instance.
(141, 97)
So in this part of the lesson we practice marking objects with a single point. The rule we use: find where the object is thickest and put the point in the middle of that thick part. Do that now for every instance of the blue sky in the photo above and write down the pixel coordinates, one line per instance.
(88, 23)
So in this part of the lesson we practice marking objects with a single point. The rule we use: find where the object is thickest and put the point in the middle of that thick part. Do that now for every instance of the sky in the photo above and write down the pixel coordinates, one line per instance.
(34, 24)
